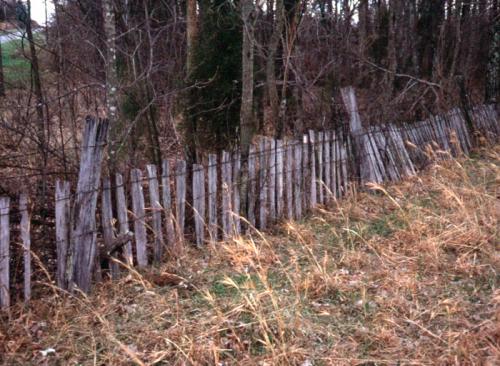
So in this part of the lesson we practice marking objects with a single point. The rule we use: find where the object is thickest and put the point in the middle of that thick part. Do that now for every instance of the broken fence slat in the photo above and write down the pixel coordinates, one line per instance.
(107, 224)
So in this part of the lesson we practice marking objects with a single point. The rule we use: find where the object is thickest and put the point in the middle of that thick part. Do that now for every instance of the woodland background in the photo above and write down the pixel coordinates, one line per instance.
(187, 77)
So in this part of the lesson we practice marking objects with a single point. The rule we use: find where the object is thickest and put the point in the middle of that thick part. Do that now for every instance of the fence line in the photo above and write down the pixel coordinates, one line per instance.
(277, 179)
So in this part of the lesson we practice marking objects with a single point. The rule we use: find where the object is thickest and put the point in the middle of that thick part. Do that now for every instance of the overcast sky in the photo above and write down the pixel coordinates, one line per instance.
(38, 10)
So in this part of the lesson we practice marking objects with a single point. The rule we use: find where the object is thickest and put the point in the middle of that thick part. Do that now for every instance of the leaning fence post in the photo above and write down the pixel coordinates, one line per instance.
(25, 237)
(154, 199)
(320, 180)
(83, 248)
(199, 203)
(327, 162)
(314, 194)
(139, 217)
(4, 252)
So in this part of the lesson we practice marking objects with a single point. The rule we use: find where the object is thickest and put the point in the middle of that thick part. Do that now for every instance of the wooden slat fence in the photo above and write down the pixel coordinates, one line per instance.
(284, 180)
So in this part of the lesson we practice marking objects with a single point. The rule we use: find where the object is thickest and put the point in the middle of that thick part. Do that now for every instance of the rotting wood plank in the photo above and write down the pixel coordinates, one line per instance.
(62, 211)
(199, 203)
(107, 224)
(180, 198)
(212, 197)
(156, 208)
(122, 214)
(167, 203)
(139, 218)
(26, 239)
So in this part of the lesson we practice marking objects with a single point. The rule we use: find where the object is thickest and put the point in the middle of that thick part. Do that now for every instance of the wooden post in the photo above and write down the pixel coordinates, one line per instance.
(327, 166)
(180, 198)
(312, 152)
(279, 178)
(25, 237)
(199, 203)
(154, 199)
(212, 197)
(62, 207)
(271, 177)
(320, 180)
(306, 173)
(122, 213)
(139, 217)
(236, 192)
(289, 180)
(262, 185)
(167, 202)
(226, 195)
(298, 178)
(107, 223)
(4, 252)
(83, 246)
(252, 184)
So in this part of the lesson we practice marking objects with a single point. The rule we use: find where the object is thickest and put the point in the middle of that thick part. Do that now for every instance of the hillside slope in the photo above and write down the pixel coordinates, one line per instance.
(406, 274)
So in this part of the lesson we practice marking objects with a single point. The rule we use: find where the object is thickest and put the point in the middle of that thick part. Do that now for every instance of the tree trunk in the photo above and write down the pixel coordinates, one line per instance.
(247, 125)
(2, 85)
(272, 90)
(191, 33)
(111, 78)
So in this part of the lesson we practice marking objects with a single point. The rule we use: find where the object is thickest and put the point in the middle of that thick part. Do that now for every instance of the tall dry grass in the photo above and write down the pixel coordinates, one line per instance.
(404, 274)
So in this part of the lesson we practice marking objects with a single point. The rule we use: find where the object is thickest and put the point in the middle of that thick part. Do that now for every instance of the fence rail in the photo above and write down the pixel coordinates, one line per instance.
(229, 195)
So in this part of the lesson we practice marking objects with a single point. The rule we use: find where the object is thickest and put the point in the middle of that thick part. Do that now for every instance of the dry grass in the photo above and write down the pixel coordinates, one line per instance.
(407, 274)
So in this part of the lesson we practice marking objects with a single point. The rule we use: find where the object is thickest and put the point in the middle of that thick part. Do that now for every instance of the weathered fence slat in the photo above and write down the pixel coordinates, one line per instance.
(236, 179)
(83, 246)
(289, 180)
(327, 166)
(26, 239)
(156, 207)
(199, 203)
(4, 252)
(262, 185)
(167, 202)
(212, 197)
(297, 178)
(180, 198)
(306, 173)
(271, 158)
(226, 195)
(122, 214)
(312, 154)
(62, 208)
(107, 224)
(320, 179)
(279, 178)
(139, 217)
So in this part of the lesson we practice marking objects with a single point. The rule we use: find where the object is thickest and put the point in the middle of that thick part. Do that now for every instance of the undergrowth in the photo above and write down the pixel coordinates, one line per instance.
(405, 274)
